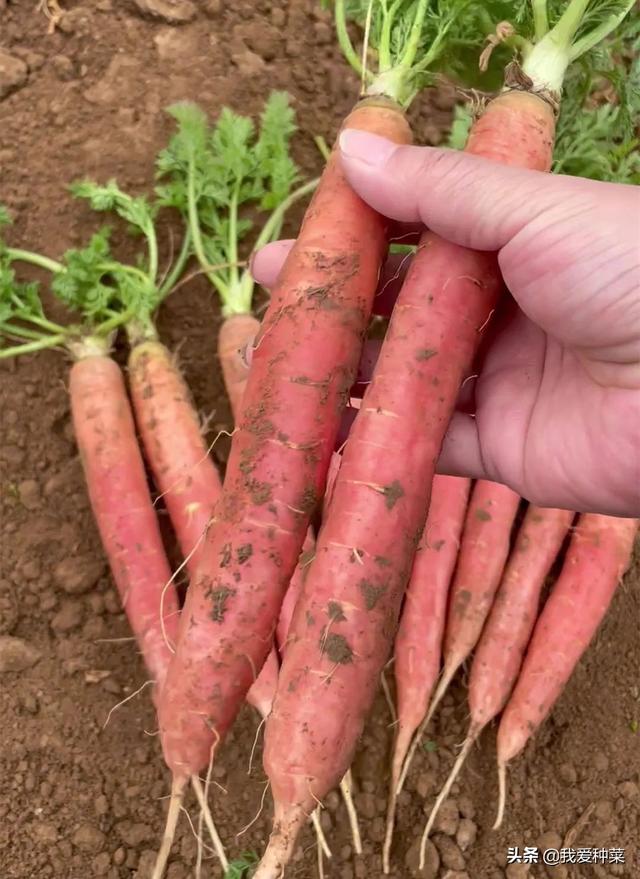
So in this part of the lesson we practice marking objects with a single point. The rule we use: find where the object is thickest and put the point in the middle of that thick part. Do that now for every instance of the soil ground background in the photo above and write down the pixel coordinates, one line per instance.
(78, 799)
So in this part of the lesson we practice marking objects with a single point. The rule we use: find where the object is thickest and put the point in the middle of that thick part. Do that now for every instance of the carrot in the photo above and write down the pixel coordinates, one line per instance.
(169, 427)
(598, 556)
(122, 507)
(292, 407)
(104, 428)
(483, 552)
(418, 644)
(504, 639)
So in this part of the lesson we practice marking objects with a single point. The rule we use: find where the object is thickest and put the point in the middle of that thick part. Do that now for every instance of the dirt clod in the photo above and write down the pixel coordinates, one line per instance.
(88, 838)
(16, 655)
(447, 819)
(431, 864)
(8, 608)
(78, 574)
(68, 618)
(171, 11)
(13, 73)
(450, 854)
(466, 834)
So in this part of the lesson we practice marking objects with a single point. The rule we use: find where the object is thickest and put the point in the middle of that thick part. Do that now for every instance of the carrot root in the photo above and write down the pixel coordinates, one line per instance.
(441, 689)
(401, 748)
(175, 804)
(282, 842)
(472, 737)
(323, 845)
(196, 784)
(345, 788)
(502, 795)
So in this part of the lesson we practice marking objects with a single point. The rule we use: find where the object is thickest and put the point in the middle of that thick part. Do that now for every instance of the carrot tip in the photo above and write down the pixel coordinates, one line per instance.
(282, 843)
(502, 794)
(345, 787)
(175, 804)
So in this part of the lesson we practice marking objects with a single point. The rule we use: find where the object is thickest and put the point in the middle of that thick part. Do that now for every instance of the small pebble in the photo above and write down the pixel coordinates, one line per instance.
(466, 833)
(517, 871)
(119, 856)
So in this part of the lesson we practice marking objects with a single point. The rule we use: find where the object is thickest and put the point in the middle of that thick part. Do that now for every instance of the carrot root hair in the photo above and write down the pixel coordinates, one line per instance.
(441, 689)
(175, 804)
(346, 786)
(502, 795)
(196, 784)
(282, 843)
(402, 744)
(468, 743)
(323, 845)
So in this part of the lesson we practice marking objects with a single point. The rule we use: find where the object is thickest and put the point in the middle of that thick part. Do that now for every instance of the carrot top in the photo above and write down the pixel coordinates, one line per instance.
(410, 40)
(215, 174)
(595, 131)
(83, 280)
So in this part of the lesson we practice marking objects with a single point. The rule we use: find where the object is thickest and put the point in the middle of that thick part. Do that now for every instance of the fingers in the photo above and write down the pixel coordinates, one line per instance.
(461, 453)
(267, 262)
(466, 199)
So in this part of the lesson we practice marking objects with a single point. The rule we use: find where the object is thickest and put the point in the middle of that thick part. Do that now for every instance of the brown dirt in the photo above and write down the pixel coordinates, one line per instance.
(80, 800)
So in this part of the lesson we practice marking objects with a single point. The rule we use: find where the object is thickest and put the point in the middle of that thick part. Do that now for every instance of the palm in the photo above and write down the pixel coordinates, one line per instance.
(549, 429)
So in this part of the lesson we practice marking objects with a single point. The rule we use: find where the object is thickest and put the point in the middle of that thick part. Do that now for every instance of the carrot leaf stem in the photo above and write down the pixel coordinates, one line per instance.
(15, 254)
(214, 174)
(540, 18)
(582, 26)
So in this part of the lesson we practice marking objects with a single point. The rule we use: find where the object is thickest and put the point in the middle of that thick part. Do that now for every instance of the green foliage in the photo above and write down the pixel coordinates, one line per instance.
(109, 197)
(450, 36)
(243, 867)
(216, 175)
(595, 140)
(85, 285)
(5, 218)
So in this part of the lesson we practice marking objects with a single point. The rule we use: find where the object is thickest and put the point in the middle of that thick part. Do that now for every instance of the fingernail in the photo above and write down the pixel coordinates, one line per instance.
(370, 149)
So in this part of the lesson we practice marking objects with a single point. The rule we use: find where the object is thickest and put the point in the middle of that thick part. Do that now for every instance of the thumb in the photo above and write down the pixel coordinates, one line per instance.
(466, 199)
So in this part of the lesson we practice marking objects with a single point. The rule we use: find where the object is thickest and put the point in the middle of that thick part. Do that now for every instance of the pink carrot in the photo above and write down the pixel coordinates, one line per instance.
(483, 553)
(504, 639)
(119, 495)
(418, 644)
(599, 554)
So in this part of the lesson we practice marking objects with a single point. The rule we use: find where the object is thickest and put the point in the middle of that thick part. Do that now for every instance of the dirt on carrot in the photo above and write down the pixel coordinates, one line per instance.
(82, 801)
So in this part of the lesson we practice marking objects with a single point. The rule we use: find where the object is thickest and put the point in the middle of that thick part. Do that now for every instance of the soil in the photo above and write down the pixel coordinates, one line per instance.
(83, 797)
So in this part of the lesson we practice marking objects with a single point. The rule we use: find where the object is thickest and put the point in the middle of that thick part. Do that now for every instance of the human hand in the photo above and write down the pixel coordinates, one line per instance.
(555, 408)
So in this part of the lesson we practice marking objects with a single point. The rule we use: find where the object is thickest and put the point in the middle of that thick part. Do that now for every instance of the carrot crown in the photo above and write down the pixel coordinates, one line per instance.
(596, 137)
(407, 42)
(214, 175)
(549, 35)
